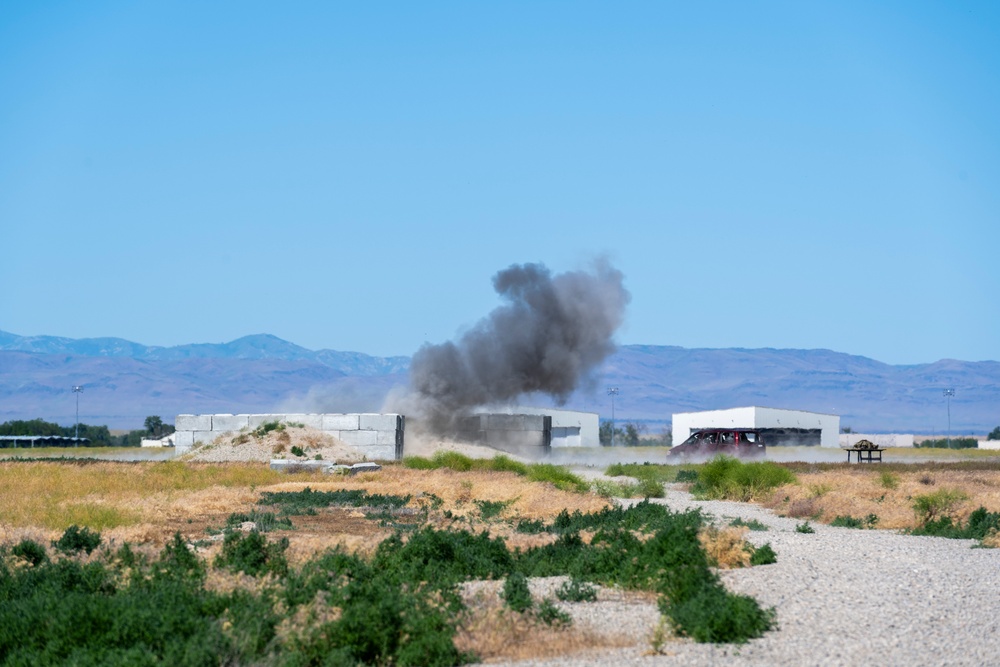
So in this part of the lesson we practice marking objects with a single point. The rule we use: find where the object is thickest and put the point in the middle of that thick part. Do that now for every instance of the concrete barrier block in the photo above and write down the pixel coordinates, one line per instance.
(204, 437)
(193, 422)
(254, 421)
(377, 422)
(183, 440)
(379, 452)
(340, 422)
(537, 423)
(387, 437)
(309, 421)
(497, 422)
(504, 439)
(359, 438)
(230, 422)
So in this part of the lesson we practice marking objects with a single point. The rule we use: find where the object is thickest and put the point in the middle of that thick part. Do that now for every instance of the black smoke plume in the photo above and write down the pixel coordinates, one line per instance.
(548, 338)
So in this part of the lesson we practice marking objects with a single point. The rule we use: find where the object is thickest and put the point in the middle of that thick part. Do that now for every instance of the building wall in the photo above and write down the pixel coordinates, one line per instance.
(377, 436)
(755, 417)
(524, 435)
(569, 427)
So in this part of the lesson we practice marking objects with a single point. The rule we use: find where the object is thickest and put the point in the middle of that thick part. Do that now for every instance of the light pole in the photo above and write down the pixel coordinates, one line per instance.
(948, 393)
(76, 390)
(612, 392)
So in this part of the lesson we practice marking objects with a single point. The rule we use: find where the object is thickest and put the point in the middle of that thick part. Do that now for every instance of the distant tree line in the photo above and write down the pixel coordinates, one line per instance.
(994, 434)
(633, 434)
(99, 436)
(956, 443)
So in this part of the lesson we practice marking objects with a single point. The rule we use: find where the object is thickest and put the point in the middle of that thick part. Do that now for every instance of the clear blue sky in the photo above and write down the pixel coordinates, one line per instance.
(350, 176)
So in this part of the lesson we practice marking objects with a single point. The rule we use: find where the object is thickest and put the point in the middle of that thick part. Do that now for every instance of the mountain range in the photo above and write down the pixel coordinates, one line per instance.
(123, 382)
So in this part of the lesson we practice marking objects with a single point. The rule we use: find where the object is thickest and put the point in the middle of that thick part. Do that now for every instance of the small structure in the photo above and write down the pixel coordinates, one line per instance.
(520, 434)
(41, 441)
(376, 436)
(570, 428)
(883, 440)
(165, 441)
(780, 428)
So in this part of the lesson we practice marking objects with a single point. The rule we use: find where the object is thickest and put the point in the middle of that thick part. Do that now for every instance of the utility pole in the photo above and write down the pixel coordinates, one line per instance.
(612, 392)
(76, 390)
(948, 393)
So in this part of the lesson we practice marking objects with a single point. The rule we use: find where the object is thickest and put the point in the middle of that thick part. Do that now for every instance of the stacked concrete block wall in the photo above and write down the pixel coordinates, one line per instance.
(376, 436)
(524, 435)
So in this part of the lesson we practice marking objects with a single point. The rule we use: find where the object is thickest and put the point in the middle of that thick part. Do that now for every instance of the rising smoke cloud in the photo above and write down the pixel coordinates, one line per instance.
(548, 338)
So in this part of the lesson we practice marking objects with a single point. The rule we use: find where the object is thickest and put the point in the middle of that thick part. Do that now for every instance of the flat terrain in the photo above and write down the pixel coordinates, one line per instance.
(842, 595)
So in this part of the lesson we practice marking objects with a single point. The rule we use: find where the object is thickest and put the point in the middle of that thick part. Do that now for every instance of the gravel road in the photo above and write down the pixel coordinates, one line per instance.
(843, 597)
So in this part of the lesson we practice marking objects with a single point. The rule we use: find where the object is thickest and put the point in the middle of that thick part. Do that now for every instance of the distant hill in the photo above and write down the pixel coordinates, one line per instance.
(125, 381)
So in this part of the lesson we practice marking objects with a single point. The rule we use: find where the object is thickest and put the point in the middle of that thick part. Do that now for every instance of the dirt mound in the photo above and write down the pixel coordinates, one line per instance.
(280, 441)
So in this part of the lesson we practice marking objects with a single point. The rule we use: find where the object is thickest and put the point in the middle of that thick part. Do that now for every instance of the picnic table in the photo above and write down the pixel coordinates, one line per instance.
(868, 454)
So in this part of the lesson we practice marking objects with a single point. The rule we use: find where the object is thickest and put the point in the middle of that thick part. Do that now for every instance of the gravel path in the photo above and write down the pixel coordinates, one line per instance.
(915, 600)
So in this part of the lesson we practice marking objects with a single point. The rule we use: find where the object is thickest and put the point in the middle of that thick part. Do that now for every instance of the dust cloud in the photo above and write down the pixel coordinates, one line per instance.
(549, 337)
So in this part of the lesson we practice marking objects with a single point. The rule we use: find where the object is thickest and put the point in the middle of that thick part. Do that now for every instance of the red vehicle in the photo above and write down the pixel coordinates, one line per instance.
(708, 442)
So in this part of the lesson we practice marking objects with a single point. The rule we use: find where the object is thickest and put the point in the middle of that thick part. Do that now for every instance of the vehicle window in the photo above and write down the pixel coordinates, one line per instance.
(727, 438)
(748, 437)
(710, 438)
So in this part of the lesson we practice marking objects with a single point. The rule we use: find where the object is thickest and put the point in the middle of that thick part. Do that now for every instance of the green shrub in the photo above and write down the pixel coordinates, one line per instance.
(804, 528)
(251, 554)
(730, 479)
(650, 488)
(933, 506)
(530, 526)
(503, 463)
(516, 594)
(686, 476)
(753, 524)
(75, 539)
(489, 509)
(558, 476)
(980, 524)
(444, 556)
(297, 451)
(292, 503)
(712, 615)
(576, 590)
(662, 474)
(942, 443)
(610, 489)
(763, 555)
(31, 551)
(848, 521)
(264, 522)
(267, 427)
(888, 480)
(549, 614)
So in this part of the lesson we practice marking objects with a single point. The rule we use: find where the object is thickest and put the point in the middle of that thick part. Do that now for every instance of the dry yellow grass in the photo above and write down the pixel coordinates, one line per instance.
(496, 633)
(147, 502)
(726, 547)
(824, 493)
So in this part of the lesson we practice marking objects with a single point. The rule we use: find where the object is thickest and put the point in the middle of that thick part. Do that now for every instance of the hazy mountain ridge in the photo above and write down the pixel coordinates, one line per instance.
(257, 346)
(125, 381)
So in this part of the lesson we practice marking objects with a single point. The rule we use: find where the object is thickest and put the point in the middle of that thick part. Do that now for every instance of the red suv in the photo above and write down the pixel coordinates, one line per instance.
(708, 442)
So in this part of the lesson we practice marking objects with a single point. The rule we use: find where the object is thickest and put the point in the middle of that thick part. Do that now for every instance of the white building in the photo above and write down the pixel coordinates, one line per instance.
(779, 427)
(165, 441)
(569, 427)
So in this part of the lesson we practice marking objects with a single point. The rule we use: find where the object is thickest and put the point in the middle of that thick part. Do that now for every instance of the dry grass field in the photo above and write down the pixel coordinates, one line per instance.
(146, 503)
(888, 491)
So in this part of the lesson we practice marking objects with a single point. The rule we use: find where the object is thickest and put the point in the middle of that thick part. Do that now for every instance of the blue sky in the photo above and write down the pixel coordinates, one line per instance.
(350, 176)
